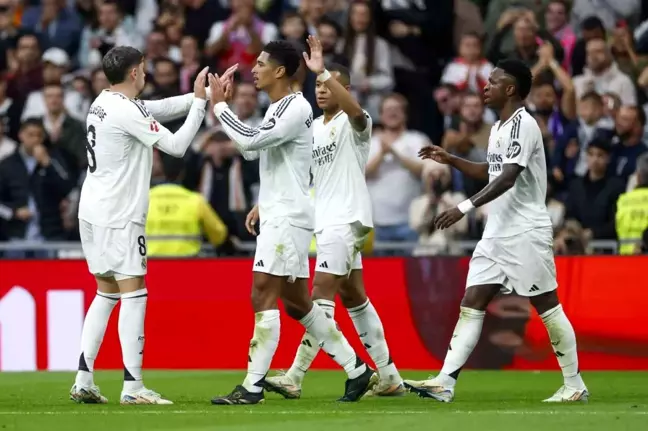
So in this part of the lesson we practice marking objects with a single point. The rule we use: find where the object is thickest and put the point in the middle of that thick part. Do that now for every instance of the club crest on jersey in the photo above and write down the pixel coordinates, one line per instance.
(332, 134)
(498, 144)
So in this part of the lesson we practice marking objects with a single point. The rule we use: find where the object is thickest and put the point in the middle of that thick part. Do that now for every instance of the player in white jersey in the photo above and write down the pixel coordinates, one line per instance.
(122, 131)
(342, 222)
(516, 250)
(283, 142)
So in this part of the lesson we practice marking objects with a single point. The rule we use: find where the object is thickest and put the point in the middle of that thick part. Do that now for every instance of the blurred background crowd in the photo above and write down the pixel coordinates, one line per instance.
(418, 67)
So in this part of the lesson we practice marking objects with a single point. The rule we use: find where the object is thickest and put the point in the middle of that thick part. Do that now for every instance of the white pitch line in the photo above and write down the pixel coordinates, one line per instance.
(237, 410)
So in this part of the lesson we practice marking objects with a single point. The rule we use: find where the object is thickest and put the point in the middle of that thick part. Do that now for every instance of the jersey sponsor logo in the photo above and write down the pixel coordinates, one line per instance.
(494, 162)
(513, 150)
(324, 155)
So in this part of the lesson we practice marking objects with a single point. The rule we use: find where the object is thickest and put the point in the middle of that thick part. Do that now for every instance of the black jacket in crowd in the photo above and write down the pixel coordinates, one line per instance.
(48, 185)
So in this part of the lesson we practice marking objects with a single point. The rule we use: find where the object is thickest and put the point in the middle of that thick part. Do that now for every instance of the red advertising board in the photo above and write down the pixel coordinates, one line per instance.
(199, 315)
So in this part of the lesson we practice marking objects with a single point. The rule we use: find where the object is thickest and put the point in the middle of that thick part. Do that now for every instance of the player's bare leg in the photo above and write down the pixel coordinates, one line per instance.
(266, 291)
(300, 306)
(464, 339)
(563, 342)
(84, 389)
(131, 337)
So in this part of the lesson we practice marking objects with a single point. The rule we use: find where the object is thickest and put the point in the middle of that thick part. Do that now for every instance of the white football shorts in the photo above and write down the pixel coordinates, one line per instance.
(339, 247)
(523, 263)
(118, 253)
(282, 250)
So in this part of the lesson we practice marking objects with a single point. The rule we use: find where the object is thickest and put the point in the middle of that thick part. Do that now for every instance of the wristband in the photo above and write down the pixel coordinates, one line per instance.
(465, 206)
(324, 76)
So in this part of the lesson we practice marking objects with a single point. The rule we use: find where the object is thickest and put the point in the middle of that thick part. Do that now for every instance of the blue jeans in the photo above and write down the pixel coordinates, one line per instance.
(394, 233)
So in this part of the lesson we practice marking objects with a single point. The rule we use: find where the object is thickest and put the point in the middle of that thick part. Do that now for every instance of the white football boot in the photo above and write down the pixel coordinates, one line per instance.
(143, 396)
(430, 388)
(387, 389)
(569, 395)
(89, 395)
(283, 385)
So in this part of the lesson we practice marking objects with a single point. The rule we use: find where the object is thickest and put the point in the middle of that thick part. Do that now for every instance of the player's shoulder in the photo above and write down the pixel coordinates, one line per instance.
(294, 104)
(124, 107)
(528, 123)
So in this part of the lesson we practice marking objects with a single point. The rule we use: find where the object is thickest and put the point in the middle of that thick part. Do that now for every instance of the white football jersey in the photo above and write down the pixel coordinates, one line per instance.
(283, 143)
(522, 208)
(120, 135)
(340, 155)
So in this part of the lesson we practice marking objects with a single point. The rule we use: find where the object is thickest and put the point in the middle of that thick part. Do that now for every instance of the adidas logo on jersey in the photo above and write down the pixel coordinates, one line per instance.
(324, 265)
(259, 264)
(534, 288)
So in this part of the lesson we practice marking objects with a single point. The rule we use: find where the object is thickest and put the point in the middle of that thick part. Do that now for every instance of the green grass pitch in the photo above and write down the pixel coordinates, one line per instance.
(499, 401)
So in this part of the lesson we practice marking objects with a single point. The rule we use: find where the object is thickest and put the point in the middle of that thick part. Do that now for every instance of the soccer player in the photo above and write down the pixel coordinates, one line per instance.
(284, 143)
(515, 253)
(342, 222)
(112, 211)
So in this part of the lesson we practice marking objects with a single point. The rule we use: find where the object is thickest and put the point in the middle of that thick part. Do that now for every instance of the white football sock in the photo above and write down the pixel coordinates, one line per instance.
(131, 337)
(309, 347)
(94, 328)
(563, 341)
(464, 339)
(263, 345)
(370, 329)
(332, 341)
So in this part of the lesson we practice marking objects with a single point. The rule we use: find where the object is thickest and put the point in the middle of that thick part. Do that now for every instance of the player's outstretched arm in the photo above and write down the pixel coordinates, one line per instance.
(172, 108)
(278, 130)
(478, 171)
(348, 104)
(499, 185)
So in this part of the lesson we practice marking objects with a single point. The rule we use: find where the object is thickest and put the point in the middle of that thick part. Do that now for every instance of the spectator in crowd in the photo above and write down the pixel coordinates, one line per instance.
(472, 126)
(603, 75)
(99, 82)
(200, 16)
(55, 64)
(10, 110)
(226, 181)
(64, 133)
(329, 33)
(394, 171)
(557, 23)
(503, 13)
(546, 107)
(157, 47)
(448, 100)
(165, 82)
(8, 34)
(469, 71)
(591, 28)
(369, 58)
(27, 74)
(240, 38)
(55, 24)
(467, 20)
(181, 215)
(555, 208)
(627, 140)
(7, 145)
(569, 156)
(312, 11)
(112, 30)
(190, 62)
(632, 210)
(33, 182)
(623, 50)
(592, 198)
(438, 196)
(608, 11)
(546, 71)
(530, 42)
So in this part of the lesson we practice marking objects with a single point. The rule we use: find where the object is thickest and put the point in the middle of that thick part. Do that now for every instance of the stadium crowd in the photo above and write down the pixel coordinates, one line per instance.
(418, 67)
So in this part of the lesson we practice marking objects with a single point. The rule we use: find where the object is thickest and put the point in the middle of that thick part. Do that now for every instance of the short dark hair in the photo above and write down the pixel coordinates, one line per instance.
(601, 143)
(172, 167)
(473, 34)
(342, 70)
(55, 85)
(112, 3)
(32, 121)
(592, 23)
(165, 60)
(118, 61)
(593, 96)
(284, 54)
(521, 73)
(331, 23)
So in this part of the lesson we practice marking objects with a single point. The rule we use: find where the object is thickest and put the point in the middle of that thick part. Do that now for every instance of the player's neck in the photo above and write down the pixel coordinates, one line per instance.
(279, 91)
(328, 116)
(125, 89)
(509, 109)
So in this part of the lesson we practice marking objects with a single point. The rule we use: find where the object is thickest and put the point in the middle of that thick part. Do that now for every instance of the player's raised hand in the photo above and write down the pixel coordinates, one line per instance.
(228, 75)
(216, 89)
(316, 60)
(252, 219)
(448, 218)
(435, 153)
(199, 84)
